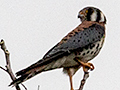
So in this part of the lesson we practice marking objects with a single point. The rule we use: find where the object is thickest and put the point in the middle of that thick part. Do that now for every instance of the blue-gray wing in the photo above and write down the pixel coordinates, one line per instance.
(80, 39)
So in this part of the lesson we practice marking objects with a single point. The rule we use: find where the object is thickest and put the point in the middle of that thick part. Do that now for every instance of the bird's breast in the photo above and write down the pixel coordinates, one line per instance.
(90, 51)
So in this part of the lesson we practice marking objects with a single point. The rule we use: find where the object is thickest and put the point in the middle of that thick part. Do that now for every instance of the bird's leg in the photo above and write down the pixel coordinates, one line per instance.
(85, 65)
(70, 77)
(71, 84)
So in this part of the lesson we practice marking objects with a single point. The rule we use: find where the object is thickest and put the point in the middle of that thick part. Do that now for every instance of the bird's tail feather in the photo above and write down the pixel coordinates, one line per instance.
(29, 72)
(22, 72)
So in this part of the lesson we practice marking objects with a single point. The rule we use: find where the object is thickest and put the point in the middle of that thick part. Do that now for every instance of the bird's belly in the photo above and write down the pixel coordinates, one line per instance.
(69, 62)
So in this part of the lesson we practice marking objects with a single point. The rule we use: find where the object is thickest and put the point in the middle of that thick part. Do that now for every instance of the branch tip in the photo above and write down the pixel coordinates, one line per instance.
(2, 42)
(7, 52)
(8, 66)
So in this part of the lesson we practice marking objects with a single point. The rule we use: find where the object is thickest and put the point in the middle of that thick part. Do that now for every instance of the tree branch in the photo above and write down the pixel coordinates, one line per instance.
(8, 65)
(3, 68)
(86, 75)
(38, 87)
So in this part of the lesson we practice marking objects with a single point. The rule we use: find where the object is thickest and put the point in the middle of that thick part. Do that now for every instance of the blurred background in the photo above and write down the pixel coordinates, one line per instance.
(31, 27)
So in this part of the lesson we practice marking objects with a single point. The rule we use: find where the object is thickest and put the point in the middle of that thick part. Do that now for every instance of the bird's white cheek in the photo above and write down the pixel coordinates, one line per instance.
(94, 16)
(102, 17)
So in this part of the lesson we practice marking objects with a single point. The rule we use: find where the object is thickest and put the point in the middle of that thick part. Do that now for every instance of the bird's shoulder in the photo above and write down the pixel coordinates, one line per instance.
(84, 25)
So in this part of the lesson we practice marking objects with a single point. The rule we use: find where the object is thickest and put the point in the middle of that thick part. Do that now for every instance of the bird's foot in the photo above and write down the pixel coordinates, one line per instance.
(85, 65)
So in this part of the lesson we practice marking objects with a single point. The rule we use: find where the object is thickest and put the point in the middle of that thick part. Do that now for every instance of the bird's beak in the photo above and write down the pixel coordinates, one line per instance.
(78, 15)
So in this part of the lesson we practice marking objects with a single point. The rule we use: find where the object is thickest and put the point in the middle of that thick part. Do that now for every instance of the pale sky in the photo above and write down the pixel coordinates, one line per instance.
(31, 27)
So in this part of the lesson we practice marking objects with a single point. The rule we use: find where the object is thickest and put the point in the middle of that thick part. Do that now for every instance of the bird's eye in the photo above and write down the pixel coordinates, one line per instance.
(86, 11)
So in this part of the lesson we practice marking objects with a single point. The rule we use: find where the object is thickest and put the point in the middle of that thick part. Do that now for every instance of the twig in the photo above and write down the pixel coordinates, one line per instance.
(3, 69)
(24, 86)
(38, 87)
(86, 75)
(8, 65)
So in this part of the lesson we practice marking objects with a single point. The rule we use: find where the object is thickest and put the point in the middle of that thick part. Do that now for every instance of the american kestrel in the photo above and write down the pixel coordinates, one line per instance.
(75, 50)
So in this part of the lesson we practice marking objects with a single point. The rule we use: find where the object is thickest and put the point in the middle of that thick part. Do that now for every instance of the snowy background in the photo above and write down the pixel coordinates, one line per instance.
(31, 27)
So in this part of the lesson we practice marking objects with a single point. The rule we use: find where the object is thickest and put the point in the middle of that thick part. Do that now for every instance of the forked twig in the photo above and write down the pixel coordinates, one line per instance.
(8, 65)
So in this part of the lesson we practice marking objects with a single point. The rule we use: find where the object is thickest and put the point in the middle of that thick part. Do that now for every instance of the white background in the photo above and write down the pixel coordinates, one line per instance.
(31, 27)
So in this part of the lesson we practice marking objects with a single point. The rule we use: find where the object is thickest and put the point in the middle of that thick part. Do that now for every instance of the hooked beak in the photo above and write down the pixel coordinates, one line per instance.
(80, 15)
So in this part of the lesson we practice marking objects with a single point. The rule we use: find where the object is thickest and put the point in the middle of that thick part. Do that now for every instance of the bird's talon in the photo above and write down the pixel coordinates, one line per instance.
(90, 66)
(86, 65)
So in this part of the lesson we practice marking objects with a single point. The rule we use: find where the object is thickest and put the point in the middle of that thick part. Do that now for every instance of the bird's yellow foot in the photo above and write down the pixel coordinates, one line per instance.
(85, 65)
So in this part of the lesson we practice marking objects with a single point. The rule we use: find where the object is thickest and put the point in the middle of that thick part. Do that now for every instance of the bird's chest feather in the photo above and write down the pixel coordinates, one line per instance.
(90, 51)
(85, 54)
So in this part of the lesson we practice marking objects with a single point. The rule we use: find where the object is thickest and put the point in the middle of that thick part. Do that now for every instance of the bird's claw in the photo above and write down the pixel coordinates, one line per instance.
(86, 65)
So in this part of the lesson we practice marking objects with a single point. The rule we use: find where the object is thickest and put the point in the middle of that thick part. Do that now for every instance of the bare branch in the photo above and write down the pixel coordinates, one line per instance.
(8, 65)
(3, 69)
(86, 75)
(24, 86)
(38, 87)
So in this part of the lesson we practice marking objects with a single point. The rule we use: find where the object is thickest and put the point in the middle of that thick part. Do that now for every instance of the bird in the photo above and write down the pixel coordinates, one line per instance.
(75, 50)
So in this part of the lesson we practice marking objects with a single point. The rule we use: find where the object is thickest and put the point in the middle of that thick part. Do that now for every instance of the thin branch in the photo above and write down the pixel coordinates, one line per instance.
(38, 87)
(24, 86)
(8, 65)
(3, 68)
(86, 75)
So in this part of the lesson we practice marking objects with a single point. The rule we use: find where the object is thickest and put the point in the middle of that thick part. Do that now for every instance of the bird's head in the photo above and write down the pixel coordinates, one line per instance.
(91, 14)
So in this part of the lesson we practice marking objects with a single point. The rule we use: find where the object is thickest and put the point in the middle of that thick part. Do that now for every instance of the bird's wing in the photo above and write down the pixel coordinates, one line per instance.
(83, 35)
